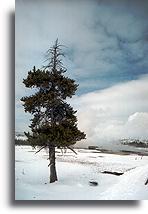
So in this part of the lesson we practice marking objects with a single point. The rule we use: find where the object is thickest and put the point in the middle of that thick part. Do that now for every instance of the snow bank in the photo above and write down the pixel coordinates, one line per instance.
(75, 172)
(131, 186)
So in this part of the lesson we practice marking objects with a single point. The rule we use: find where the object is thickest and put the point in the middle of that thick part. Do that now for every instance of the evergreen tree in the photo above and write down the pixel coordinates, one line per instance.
(54, 123)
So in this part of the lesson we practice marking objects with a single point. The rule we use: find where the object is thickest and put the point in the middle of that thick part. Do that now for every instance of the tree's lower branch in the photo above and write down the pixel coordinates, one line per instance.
(72, 149)
(40, 149)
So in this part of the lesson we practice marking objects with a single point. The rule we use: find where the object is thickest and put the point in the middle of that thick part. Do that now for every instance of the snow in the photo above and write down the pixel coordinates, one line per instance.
(132, 184)
(75, 172)
(20, 137)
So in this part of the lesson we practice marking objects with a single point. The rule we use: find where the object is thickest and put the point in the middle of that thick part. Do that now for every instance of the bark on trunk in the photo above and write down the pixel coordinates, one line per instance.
(53, 174)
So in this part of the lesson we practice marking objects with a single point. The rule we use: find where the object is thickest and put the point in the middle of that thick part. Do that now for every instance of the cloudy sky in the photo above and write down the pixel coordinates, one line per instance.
(106, 53)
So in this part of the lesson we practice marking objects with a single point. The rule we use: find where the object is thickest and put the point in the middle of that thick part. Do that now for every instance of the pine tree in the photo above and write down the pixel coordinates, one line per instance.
(54, 123)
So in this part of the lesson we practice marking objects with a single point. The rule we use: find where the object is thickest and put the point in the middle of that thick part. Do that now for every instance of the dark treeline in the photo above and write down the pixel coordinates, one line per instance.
(21, 142)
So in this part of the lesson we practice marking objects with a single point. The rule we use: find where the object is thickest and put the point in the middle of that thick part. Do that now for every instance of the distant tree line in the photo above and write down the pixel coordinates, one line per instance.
(135, 143)
(21, 142)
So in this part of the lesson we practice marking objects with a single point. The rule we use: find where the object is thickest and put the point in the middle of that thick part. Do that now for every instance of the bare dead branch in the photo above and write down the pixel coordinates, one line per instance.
(50, 164)
(40, 149)
(72, 149)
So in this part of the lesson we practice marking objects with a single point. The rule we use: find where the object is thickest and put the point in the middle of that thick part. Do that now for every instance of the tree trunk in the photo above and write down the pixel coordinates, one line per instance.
(53, 174)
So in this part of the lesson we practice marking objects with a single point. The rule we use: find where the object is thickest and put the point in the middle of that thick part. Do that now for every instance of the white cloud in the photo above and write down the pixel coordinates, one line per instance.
(117, 112)
(137, 125)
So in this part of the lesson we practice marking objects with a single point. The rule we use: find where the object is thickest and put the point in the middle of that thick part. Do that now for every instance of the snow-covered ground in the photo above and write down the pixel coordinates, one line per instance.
(75, 172)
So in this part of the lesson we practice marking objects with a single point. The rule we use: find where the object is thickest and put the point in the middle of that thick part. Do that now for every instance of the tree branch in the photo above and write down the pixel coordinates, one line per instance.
(72, 149)
(40, 149)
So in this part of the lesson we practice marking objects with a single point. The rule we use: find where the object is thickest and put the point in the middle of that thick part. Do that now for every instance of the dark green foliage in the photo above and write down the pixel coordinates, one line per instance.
(21, 142)
(54, 121)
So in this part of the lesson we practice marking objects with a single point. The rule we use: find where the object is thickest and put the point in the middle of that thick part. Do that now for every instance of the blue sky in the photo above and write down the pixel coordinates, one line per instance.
(106, 42)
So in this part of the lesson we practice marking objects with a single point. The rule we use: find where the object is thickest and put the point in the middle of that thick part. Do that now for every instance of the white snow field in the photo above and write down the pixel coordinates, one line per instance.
(75, 172)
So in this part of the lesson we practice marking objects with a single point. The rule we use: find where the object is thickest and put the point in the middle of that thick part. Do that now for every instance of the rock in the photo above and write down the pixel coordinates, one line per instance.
(93, 183)
(146, 182)
(113, 173)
